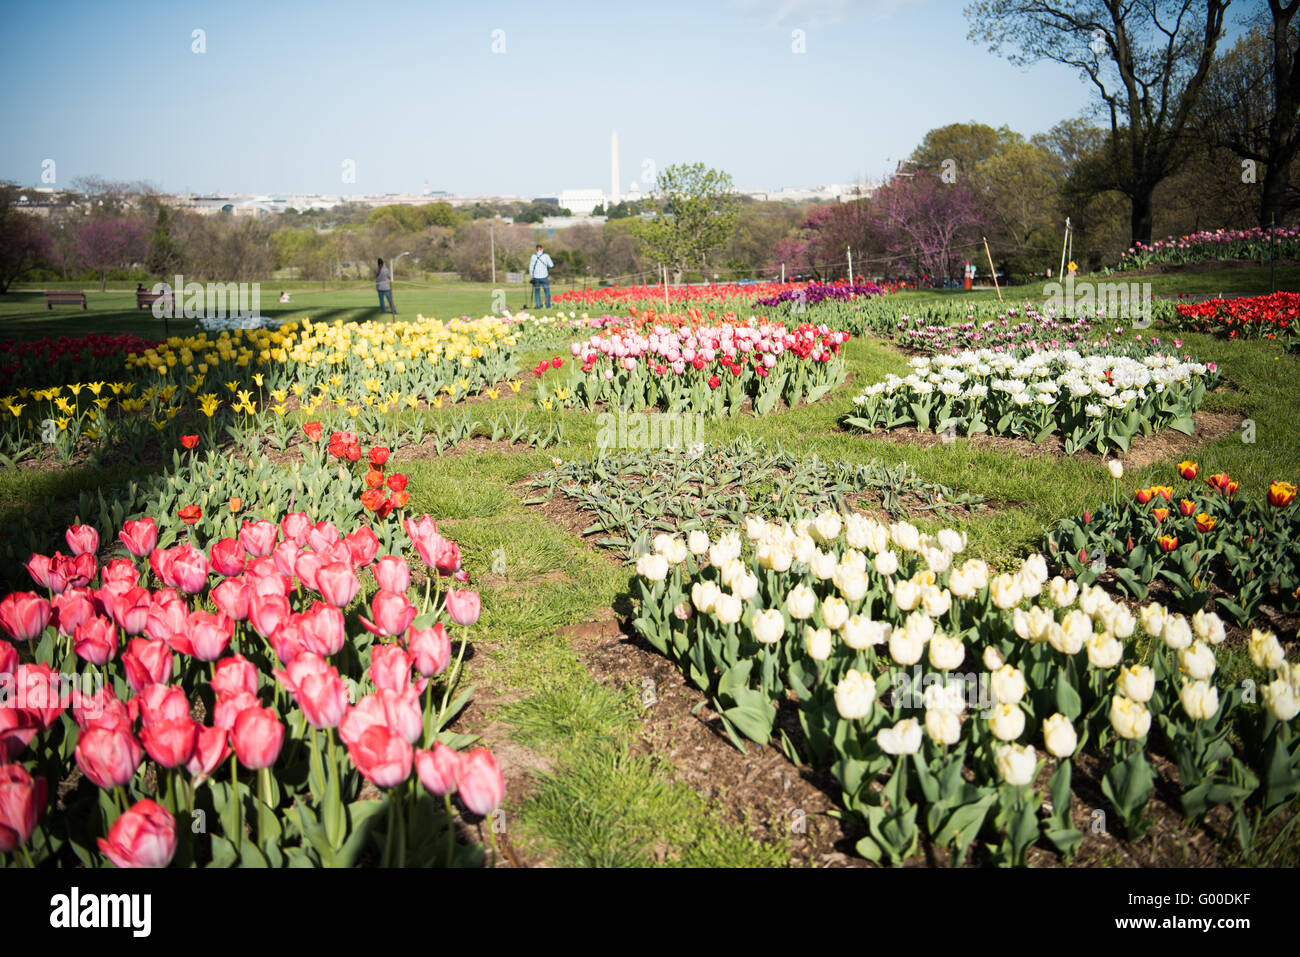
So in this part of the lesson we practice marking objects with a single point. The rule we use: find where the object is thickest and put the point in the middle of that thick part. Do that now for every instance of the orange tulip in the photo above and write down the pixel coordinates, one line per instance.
(1160, 513)
(190, 514)
(1143, 495)
(1164, 491)
(236, 504)
(1204, 523)
(1232, 489)
(1168, 542)
(1281, 494)
(1187, 470)
(1187, 508)
(372, 499)
(190, 441)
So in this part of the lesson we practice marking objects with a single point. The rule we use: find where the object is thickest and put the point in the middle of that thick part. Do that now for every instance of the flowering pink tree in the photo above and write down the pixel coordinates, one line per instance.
(23, 243)
(104, 244)
(930, 222)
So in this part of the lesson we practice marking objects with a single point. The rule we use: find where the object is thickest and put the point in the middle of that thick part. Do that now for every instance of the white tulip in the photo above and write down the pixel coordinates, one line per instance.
(975, 571)
(946, 652)
(1008, 684)
(1116, 469)
(851, 583)
(993, 659)
(662, 543)
(854, 695)
(905, 535)
(1059, 736)
(698, 541)
(1200, 700)
(857, 530)
(906, 594)
(728, 609)
(1076, 628)
(1178, 633)
(1091, 599)
(1035, 566)
(1208, 627)
(826, 526)
(960, 585)
(1016, 764)
(652, 567)
(937, 560)
(1118, 620)
(1265, 650)
(1007, 722)
(730, 570)
(704, 596)
(724, 549)
(1062, 591)
(817, 641)
(1153, 619)
(801, 602)
(834, 612)
(823, 565)
(1005, 591)
(675, 551)
(755, 527)
(1028, 583)
(745, 586)
(905, 649)
(951, 541)
(1129, 718)
(1197, 662)
(775, 555)
(768, 626)
(1104, 650)
(861, 633)
(946, 697)
(943, 726)
(935, 601)
(886, 563)
(902, 738)
(1281, 699)
(804, 547)
(1136, 682)
(854, 560)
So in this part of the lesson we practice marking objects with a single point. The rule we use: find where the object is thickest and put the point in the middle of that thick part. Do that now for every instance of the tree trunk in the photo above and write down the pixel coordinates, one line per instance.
(1140, 221)
(1276, 185)
(103, 280)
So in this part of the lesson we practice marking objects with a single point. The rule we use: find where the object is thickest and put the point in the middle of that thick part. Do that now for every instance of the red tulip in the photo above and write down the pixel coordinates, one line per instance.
(39, 567)
(108, 756)
(24, 615)
(392, 573)
(140, 538)
(72, 608)
(258, 538)
(396, 482)
(322, 535)
(227, 557)
(210, 749)
(22, 805)
(170, 743)
(296, 526)
(447, 558)
(231, 597)
(95, 640)
(228, 708)
(190, 441)
(161, 702)
(40, 692)
(188, 568)
(257, 737)
(362, 546)
(102, 709)
(190, 514)
(1168, 542)
(714, 382)
(312, 430)
(82, 539)
(430, 650)
(372, 499)
(374, 479)
(392, 613)
(17, 728)
(399, 499)
(1143, 495)
(382, 756)
(438, 768)
(480, 783)
(337, 584)
(463, 607)
(147, 663)
(390, 668)
(8, 658)
(127, 605)
(379, 456)
(285, 558)
(267, 612)
(167, 614)
(233, 675)
(323, 629)
(72, 571)
(145, 836)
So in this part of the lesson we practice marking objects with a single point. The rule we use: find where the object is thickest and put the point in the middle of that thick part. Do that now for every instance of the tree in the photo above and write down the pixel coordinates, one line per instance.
(163, 257)
(1147, 59)
(929, 222)
(105, 244)
(697, 214)
(23, 241)
(1252, 106)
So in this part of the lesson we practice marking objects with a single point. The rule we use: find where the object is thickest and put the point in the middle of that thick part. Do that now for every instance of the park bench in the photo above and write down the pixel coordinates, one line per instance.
(146, 298)
(64, 298)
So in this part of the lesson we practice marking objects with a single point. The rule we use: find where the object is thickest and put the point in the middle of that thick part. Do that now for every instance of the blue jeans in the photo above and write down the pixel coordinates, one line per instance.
(389, 294)
(538, 286)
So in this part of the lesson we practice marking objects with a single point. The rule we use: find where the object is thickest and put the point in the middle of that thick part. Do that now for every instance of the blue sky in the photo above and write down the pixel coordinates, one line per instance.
(287, 91)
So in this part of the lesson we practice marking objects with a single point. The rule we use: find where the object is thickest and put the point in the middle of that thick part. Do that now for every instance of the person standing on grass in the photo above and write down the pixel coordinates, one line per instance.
(384, 284)
(539, 269)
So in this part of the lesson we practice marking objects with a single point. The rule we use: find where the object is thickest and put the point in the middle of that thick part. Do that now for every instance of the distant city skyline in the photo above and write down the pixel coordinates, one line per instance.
(502, 97)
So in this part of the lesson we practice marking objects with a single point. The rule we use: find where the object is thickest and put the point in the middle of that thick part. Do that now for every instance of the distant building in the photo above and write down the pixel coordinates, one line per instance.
(581, 202)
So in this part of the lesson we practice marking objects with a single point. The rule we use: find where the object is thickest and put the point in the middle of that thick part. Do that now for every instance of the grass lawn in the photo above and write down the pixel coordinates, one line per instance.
(593, 779)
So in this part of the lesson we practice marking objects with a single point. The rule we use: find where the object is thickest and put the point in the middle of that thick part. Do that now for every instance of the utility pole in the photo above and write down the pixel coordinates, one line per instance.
(492, 239)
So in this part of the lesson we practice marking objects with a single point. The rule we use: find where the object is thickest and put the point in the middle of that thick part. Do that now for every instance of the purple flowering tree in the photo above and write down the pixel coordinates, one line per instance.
(104, 244)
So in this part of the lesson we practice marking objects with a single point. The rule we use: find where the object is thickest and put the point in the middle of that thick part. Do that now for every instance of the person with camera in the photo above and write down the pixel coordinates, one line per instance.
(539, 270)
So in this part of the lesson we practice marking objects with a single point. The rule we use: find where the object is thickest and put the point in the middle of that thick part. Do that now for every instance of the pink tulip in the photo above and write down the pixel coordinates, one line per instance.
(22, 805)
(480, 783)
(257, 737)
(140, 538)
(189, 569)
(233, 675)
(337, 584)
(296, 526)
(227, 557)
(463, 607)
(285, 557)
(258, 538)
(82, 539)
(322, 535)
(72, 608)
(8, 658)
(424, 535)
(430, 649)
(323, 629)
(306, 568)
(127, 605)
(17, 729)
(145, 836)
(392, 573)
(210, 749)
(382, 756)
(146, 663)
(95, 640)
(39, 567)
(392, 614)
(228, 708)
(170, 743)
(390, 668)
(40, 692)
(24, 615)
(208, 635)
(363, 544)
(231, 597)
(167, 614)
(288, 641)
(267, 612)
(119, 570)
(438, 768)
(108, 756)
(161, 702)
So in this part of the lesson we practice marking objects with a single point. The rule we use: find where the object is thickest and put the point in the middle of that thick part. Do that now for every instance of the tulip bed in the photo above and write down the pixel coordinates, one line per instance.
(935, 692)
(94, 356)
(1187, 538)
(1267, 317)
(1256, 244)
(709, 369)
(261, 706)
(635, 495)
(1095, 400)
(1008, 331)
